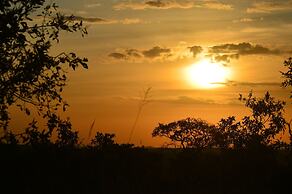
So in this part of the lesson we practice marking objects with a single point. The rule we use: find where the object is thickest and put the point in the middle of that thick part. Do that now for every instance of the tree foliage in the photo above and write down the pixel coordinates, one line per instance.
(29, 73)
(258, 129)
(103, 141)
(190, 132)
(287, 75)
(286, 83)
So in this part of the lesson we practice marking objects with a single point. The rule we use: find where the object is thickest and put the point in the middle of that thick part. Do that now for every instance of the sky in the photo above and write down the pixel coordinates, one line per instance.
(176, 48)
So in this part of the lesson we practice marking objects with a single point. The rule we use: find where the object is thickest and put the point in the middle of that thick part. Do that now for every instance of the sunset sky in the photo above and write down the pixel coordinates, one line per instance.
(196, 55)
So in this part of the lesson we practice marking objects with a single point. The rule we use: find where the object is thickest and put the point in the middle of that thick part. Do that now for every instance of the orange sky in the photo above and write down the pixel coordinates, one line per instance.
(133, 45)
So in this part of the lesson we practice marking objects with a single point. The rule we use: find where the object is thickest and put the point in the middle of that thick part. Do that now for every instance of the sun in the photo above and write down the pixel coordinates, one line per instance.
(206, 74)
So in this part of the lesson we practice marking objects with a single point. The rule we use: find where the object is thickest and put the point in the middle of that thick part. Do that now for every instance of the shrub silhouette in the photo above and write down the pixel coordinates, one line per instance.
(103, 141)
(33, 137)
(30, 76)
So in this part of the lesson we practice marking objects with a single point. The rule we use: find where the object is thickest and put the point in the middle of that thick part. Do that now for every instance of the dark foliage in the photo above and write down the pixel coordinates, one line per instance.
(103, 141)
(254, 131)
(29, 75)
(287, 75)
(190, 133)
(288, 83)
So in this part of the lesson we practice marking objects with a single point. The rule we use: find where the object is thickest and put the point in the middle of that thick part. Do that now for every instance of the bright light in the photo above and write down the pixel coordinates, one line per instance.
(206, 74)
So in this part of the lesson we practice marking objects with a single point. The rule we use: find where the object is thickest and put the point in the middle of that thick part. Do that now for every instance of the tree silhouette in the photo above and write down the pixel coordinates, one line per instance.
(254, 131)
(266, 120)
(286, 83)
(190, 133)
(29, 74)
(287, 75)
(103, 141)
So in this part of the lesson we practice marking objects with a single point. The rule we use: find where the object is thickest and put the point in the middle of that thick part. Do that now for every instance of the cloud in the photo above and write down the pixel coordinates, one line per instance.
(171, 4)
(225, 58)
(190, 100)
(97, 20)
(157, 3)
(195, 50)
(128, 21)
(92, 5)
(118, 56)
(249, 84)
(154, 4)
(223, 53)
(243, 49)
(227, 52)
(248, 20)
(133, 53)
(217, 5)
(185, 100)
(270, 6)
(156, 52)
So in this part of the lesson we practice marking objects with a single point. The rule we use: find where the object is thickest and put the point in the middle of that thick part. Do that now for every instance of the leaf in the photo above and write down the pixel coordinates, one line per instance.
(27, 111)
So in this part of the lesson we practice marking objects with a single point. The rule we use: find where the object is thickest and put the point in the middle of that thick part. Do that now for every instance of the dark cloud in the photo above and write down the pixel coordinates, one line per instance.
(133, 53)
(156, 52)
(242, 49)
(250, 84)
(97, 20)
(152, 53)
(195, 50)
(171, 4)
(118, 56)
(158, 3)
(88, 19)
(227, 52)
(154, 4)
(225, 58)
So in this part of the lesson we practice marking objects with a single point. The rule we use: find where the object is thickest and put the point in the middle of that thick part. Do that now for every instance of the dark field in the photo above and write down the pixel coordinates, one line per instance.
(144, 170)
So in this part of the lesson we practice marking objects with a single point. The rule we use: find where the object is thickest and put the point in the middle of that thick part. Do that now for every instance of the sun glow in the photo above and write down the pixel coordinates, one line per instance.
(207, 74)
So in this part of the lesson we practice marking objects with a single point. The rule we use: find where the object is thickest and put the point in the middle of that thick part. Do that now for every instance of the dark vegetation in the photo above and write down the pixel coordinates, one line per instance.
(232, 156)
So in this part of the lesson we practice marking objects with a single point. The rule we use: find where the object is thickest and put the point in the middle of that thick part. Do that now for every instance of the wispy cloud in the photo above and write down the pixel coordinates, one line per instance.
(247, 20)
(93, 5)
(172, 4)
(250, 84)
(185, 100)
(216, 5)
(94, 20)
(270, 6)
(154, 4)
(98, 20)
(131, 21)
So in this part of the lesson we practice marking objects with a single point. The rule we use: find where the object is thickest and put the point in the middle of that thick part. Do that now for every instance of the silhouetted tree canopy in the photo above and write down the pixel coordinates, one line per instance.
(287, 75)
(286, 83)
(256, 130)
(190, 132)
(29, 73)
(103, 141)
